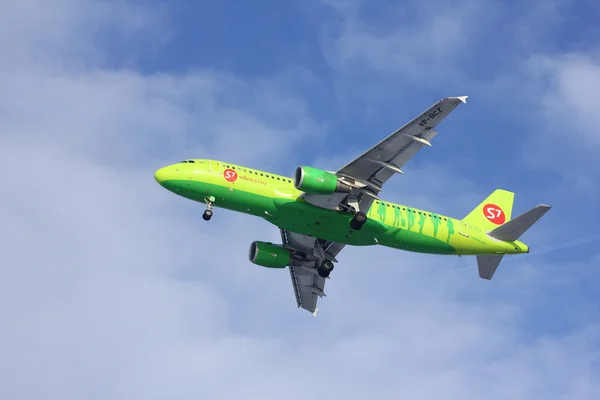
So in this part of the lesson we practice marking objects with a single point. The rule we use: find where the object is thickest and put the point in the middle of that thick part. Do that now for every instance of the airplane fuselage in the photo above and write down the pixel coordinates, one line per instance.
(275, 198)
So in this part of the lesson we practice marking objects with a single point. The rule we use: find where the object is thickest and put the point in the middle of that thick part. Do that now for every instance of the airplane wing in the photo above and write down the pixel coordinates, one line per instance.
(308, 285)
(378, 164)
(366, 174)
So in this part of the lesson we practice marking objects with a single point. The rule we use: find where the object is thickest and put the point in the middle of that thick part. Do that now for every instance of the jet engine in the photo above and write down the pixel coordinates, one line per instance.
(269, 255)
(315, 181)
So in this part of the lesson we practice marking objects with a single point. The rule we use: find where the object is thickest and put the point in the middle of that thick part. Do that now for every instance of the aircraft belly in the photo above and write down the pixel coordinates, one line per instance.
(301, 217)
(413, 230)
(403, 239)
(306, 219)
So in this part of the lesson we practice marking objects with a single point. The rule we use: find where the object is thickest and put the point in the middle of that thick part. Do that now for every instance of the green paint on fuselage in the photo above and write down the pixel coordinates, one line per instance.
(421, 221)
(450, 229)
(398, 218)
(381, 211)
(411, 217)
(435, 221)
(274, 198)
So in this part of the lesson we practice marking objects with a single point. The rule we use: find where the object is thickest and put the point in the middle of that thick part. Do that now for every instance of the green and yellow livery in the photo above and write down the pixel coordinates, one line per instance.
(319, 212)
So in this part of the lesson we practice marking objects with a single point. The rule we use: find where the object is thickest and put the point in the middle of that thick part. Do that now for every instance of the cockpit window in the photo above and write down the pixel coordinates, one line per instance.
(191, 161)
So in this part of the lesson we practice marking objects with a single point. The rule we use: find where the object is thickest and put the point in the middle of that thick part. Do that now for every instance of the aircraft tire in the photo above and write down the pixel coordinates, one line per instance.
(358, 220)
(323, 272)
(325, 269)
(207, 215)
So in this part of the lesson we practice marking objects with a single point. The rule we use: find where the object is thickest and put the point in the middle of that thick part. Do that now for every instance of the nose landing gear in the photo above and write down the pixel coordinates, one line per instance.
(210, 204)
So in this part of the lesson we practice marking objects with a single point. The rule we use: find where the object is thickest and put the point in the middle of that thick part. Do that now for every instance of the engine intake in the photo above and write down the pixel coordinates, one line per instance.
(269, 255)
(316, 181)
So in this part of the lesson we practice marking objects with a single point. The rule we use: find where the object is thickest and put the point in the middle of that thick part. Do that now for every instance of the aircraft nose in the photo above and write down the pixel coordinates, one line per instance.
(160, 175)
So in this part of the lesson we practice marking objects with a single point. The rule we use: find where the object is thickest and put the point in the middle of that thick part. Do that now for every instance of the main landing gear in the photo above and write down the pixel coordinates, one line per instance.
(210, 204)
(358, 220)
(325, 269)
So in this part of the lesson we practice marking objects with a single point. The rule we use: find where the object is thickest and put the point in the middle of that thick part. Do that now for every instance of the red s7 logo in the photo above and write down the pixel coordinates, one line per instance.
(494, 214)
(230, 175)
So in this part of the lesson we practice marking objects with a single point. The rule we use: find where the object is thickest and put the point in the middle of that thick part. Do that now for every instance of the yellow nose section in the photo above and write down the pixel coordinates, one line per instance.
(162, 175)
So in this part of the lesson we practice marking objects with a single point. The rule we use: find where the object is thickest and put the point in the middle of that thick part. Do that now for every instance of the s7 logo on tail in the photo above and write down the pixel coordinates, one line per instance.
(494, 214)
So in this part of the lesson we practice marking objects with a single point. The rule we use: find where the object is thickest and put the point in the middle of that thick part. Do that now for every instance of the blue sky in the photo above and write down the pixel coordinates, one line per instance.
(114, 288)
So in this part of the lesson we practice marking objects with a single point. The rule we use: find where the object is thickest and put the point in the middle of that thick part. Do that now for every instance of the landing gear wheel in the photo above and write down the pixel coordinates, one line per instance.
(323, 273)
(358, 220)
(210, 203)
(325, 269)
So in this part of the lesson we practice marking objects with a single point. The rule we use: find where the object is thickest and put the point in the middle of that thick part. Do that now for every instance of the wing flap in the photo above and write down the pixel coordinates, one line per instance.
(378, 164)
(401, 145)
(308, 285)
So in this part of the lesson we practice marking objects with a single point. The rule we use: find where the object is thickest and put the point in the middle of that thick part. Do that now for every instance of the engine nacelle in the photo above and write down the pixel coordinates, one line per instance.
(269, 255)
(316, 181)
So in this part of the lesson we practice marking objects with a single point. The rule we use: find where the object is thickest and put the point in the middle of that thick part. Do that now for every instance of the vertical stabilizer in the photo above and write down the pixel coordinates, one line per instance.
(494, 211)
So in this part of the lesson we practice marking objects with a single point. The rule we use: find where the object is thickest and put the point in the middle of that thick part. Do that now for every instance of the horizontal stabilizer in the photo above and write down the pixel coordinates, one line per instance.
(487, 265)
(514, 228)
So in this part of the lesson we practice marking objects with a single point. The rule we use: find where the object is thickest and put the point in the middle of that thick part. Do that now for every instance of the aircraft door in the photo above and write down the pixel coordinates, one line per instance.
(215, 167)
(464, 229)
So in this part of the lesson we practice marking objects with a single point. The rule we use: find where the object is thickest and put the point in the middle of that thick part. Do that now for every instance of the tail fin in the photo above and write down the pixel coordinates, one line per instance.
(512, 230)
(494, 211)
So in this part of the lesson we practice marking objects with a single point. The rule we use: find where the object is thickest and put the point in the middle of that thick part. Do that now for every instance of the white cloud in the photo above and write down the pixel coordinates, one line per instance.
(115, 288)
(432, 43)
(573, 83)
(556, 107)
(416, 38)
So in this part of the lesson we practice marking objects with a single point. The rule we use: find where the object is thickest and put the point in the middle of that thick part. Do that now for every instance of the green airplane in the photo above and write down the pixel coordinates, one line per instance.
(319, 212)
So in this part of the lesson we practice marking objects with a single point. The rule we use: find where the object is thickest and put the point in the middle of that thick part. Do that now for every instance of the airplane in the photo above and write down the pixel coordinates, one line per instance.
(320, 212)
